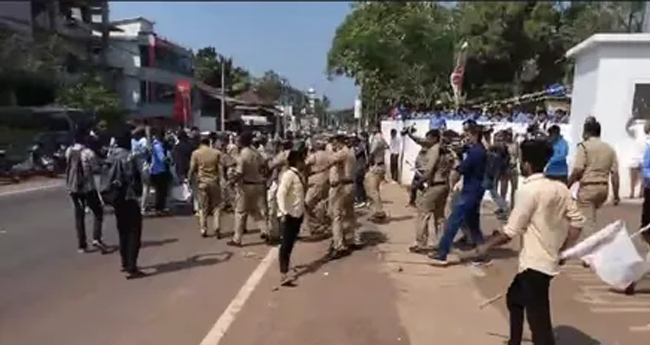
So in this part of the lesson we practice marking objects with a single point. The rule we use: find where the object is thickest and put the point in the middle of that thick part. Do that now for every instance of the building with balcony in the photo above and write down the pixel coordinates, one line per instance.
(150, 70)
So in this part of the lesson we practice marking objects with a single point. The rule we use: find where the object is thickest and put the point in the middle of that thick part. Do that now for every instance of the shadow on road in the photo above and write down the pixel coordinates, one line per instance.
(158, 243)
(502, 253)
(312, 267)
(568, 335)
(400, 218)
(193, 261)
(371, 238)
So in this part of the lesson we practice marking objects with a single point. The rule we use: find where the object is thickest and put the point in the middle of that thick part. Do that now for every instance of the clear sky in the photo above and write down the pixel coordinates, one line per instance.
(291, 38)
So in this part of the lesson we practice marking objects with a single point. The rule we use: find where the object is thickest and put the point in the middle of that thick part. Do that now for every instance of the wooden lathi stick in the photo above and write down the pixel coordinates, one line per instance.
(491, 300)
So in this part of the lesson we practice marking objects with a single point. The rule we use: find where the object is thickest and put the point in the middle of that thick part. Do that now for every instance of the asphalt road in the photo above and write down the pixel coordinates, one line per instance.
(50, 294)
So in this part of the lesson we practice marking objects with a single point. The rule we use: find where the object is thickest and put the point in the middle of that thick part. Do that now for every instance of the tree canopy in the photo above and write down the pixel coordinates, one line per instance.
(403, 52)
(270, 86)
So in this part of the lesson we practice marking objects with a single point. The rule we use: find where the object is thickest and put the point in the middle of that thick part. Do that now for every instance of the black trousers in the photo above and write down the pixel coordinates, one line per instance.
(129, 229)
(394, 166)
(160, 183)
(645, 213)
(359, 188)
(529, 293)
(290, 229)
(80, 201)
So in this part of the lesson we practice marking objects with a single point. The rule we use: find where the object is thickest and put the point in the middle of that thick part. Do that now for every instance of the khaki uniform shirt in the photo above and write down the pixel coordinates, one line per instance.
(249, 166)
(597, 159)
(421, 159)
(318, 162)
(513, 153)
(542, 215)
(343, 168)
(438, 166)
(206, 164)
(378, 151)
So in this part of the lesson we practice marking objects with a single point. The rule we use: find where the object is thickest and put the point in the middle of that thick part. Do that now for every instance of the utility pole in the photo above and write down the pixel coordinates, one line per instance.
(223, 94)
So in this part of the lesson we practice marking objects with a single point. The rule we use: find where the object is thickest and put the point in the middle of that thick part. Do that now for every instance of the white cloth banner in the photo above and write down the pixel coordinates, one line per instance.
(181, 192)
(612, 255)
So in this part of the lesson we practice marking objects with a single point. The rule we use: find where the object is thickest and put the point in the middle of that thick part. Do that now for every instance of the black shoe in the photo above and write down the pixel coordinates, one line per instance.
(418, 250)
(204, 234)
(356, 246)
(135, 274)
(233, 244)
(630, 290)
(272, 241)
(335, 254)
(218, 235)
(264, 237)
(103, 248)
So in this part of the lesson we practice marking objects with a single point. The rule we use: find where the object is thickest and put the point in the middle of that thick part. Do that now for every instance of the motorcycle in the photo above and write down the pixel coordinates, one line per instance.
(6, 171)
(35, 164)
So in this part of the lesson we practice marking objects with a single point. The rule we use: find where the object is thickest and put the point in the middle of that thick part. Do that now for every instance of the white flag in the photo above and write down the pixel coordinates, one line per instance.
(612, 255)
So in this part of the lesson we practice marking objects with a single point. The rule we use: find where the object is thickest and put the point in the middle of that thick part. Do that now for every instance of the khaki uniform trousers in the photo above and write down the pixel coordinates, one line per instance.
(372, 183)
(250, 200)
(343, 216)
(431, 209)
(590, 198)
(210, 203)
(314, 217)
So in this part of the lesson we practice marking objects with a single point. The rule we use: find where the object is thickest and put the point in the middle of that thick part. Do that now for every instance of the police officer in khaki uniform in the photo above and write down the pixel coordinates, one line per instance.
(594, 165)
(431, 204)
(341, 196)
(205, 169)
(318, 163)
(250, 188)
(375, 175)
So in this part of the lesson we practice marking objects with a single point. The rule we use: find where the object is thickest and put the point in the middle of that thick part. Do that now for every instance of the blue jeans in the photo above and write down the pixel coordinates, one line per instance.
(466, 211)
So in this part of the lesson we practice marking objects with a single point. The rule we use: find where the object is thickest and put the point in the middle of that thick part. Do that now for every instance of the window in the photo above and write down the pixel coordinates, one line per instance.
(144, 94)
(144, 56)
(641, 102)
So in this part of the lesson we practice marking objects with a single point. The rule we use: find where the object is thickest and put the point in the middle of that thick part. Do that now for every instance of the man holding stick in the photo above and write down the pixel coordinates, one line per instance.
(549, 221)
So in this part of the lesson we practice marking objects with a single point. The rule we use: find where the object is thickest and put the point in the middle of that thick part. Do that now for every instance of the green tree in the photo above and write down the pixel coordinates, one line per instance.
(89, 94)
(403, 52)
(208, 67)
(398, 52)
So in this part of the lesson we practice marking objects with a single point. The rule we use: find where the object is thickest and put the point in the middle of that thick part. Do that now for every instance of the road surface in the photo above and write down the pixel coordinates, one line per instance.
(205, 293)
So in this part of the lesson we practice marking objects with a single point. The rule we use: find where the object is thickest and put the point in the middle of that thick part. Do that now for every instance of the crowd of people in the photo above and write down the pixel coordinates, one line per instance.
(313, 184)
(507, 114)
(551, 207)
(243, 173)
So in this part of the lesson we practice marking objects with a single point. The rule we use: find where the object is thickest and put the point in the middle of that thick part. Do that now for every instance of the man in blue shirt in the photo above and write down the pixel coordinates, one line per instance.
(438, 122)
(160, 172)
(645, 209)
(467, 209)
(557, 168)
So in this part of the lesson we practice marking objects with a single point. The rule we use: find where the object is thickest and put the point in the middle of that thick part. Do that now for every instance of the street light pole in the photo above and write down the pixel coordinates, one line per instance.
(223, 94)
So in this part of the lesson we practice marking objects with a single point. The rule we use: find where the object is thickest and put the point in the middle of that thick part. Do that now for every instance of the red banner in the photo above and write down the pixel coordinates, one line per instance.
(183, 102)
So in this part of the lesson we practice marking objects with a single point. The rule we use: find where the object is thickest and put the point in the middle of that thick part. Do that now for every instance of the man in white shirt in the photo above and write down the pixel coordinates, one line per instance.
(291, 209)
(549, 221)
(395, 148)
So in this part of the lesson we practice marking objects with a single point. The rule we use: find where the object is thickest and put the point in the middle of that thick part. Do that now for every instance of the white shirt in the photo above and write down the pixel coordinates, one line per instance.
(395, 145)
(291, 194)
(542, 215)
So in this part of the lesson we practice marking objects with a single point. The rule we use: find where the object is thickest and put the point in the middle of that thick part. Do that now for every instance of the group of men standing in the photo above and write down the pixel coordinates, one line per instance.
(253, 166)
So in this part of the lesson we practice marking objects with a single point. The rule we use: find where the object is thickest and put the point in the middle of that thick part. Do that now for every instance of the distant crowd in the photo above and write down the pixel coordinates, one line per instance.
(514, 116)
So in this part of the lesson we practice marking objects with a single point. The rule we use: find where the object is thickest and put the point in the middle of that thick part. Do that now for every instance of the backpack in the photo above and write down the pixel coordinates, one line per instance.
(75, 177)
(111, 185)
